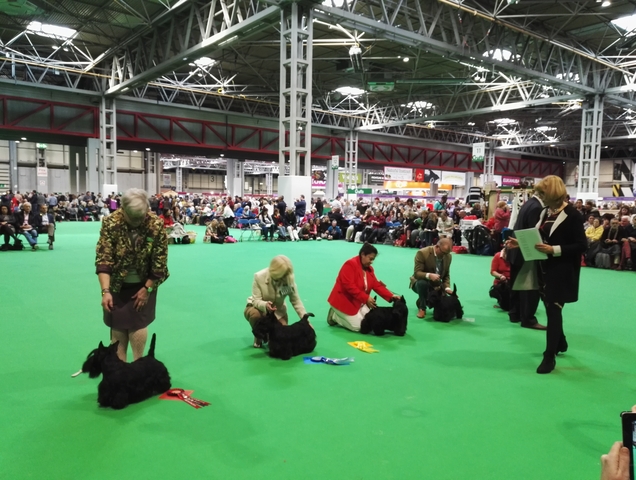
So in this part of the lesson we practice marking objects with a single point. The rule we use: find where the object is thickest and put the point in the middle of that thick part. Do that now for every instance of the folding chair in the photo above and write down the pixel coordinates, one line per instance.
(251, 227)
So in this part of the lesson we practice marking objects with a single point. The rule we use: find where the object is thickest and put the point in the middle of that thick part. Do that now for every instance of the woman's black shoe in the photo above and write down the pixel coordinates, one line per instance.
(547, 365)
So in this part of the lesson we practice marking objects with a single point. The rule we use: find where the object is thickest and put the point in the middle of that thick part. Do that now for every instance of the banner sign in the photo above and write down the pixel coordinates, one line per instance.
(342, 178)
(375, 177)
(479, 152)
(395, 173)
(454, 178)
(43, 172)
(359, 191)
(510, 181)
(319, 178)
(400, 185)
(166, 178)
(427, 175)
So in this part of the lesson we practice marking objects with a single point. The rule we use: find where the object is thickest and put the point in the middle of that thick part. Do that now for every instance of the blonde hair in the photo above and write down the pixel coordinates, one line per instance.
(135, 202)
(501, 204)
(280, 267)
(551, 189)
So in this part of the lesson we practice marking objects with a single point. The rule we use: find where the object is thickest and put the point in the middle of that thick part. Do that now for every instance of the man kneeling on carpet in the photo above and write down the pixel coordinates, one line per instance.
(432, 270)
(350, 298)
(131, 262)
(269, 289)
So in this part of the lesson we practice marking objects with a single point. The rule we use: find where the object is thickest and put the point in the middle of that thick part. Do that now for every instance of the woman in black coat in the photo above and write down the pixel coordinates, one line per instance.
(564, 242)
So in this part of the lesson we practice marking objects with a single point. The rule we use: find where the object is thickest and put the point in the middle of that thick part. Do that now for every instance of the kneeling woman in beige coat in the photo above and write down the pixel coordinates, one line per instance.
(269, 289)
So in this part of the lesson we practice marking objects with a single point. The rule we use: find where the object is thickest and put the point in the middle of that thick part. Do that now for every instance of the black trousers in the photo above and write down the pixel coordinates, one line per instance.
(523, 304)
(554, 334)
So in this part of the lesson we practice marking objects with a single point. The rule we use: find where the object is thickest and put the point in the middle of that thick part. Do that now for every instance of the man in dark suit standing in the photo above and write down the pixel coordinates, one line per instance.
(524, 303)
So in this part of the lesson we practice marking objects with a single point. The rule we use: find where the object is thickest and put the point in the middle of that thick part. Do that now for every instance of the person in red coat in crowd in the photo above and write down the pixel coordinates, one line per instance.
(350, 298)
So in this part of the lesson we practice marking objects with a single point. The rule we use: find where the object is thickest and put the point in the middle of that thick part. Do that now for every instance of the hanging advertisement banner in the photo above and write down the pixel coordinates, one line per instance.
(479, 152)
(400, 185)
(319, 177)
(454, 178)
(342, 178)
(395, 173)
(375, 177)
(510, 181)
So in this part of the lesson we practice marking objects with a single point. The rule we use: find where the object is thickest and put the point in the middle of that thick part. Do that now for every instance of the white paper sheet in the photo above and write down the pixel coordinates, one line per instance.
(527, 239)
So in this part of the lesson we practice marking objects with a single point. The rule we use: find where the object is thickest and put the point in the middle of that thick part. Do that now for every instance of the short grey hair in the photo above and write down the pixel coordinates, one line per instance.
(135, 202)
(24, 204)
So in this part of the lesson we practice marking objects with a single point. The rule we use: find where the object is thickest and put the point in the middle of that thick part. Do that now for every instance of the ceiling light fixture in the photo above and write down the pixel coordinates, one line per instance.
(204, 62)
(50, 31)
(355, 53)
(349, 91)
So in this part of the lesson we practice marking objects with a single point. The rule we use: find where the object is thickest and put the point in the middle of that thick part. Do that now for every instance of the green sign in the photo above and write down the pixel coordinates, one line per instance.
(42, 146)
(359, 191)
(1, 185)
(342, 178)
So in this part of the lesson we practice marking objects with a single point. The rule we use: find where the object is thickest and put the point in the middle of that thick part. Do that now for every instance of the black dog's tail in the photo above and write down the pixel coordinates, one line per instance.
(307, 315)
(151, 351)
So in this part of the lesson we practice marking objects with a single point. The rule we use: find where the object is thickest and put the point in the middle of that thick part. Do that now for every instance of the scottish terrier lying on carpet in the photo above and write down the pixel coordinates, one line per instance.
(286, 341)
(393, 318)
(125, 383)
(445, 306)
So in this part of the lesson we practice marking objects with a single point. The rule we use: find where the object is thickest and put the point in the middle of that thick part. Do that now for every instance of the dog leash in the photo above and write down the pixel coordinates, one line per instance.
(181, 395)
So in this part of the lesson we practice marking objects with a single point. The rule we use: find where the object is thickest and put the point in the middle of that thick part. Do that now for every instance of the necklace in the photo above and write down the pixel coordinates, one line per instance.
(558, 210)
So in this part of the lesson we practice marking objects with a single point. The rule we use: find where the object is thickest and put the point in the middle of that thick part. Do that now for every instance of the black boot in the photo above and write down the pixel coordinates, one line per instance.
(548, 363)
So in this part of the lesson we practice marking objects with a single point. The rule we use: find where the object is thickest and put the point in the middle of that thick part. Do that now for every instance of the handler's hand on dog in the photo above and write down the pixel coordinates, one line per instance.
(107, 302)
(371, 302)
(270, 307)
(433, 277)
(141, 298)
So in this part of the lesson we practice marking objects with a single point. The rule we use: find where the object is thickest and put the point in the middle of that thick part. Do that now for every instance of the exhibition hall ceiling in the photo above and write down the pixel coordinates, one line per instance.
(516, 73)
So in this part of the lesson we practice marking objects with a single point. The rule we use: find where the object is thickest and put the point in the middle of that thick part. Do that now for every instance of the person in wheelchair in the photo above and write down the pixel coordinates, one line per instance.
(47, 225)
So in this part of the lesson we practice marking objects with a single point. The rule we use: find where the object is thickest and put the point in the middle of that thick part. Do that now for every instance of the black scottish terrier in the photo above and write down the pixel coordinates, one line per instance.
(501, 292)
(445, 306)
(393, 318)
(286, 341)
(125, 383)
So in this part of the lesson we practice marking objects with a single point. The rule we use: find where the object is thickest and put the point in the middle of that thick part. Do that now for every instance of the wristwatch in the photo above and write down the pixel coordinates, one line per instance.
(149, 289)
(105, 291)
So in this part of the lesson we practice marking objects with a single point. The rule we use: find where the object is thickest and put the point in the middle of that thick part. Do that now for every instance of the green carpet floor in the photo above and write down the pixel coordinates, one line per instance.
(447, 401)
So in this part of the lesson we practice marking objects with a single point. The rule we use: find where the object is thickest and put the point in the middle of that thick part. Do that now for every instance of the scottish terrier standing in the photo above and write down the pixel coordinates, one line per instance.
(286, 341)
(125, 383)
(393, 318)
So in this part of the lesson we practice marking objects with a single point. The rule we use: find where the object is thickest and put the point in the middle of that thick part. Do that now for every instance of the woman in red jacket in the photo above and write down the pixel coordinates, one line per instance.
(350, 298)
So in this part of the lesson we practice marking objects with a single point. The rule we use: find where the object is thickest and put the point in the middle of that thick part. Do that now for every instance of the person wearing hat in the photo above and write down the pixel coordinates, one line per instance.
(270, 287)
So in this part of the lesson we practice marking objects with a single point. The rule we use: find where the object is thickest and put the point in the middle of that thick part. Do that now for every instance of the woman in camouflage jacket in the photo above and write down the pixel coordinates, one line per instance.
(131, 262)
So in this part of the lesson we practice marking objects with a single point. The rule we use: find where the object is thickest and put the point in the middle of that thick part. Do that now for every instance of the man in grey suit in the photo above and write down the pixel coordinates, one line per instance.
(524, 303)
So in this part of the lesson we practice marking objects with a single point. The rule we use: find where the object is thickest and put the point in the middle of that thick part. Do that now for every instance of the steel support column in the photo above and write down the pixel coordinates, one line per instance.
(13, 166)
(269, 183)
(151, 172)
(92, 162)
(296, 38)
(351, 163)
(108, 139)
(590, 152)
(489, 167)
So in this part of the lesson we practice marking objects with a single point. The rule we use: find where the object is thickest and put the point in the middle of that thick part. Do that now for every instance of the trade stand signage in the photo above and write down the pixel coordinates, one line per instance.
(375, 177)
(359, 191)
(510, 181)
(401, 174)
(479, 152)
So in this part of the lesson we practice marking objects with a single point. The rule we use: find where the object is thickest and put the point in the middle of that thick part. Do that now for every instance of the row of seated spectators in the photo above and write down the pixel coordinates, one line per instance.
(611, 241)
